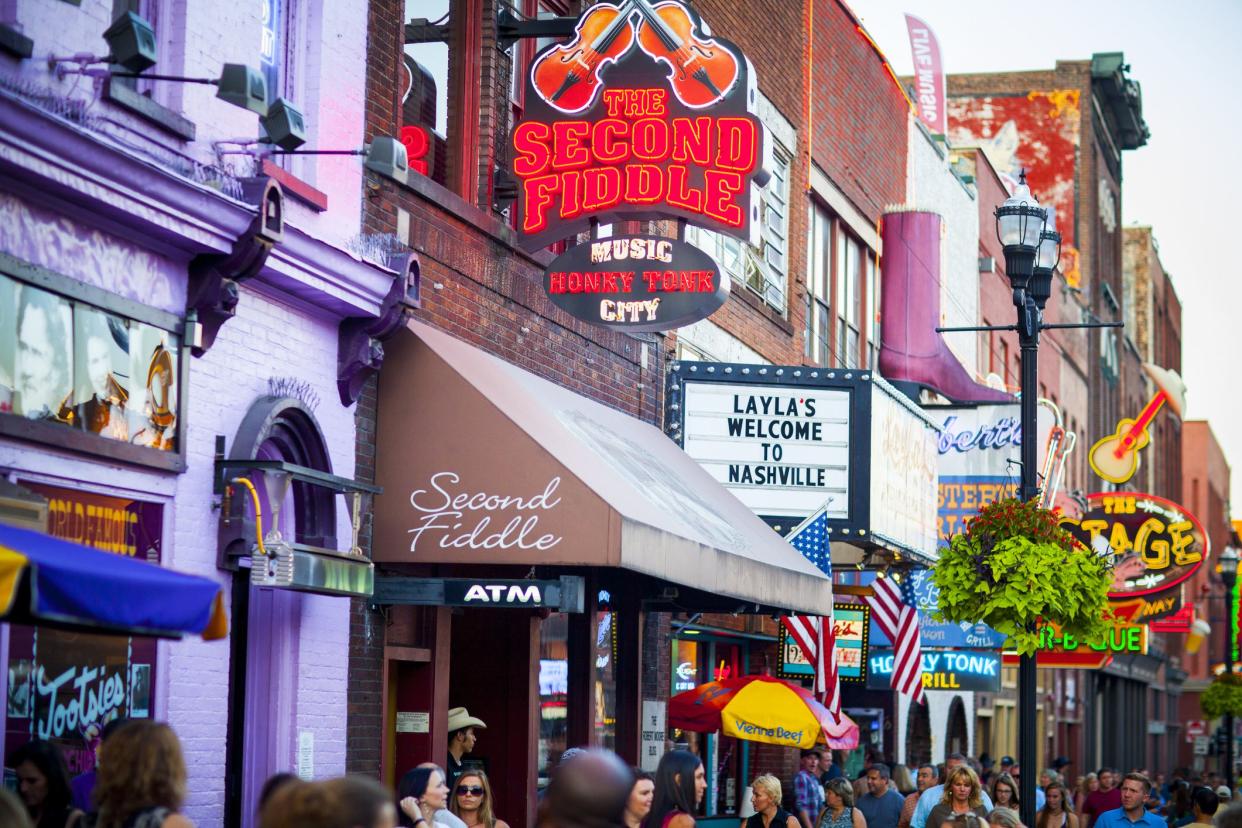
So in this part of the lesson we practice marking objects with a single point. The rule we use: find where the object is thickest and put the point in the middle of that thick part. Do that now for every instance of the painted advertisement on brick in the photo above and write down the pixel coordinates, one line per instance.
(1040, 132)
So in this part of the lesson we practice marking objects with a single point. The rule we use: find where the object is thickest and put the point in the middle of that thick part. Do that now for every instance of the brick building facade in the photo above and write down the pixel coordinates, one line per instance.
(1206, 493)
(839, 160)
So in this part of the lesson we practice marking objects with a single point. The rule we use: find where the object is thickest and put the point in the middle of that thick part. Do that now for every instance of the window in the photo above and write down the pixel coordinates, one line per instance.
(765, 270)
(424, 93)
(842, 273)
(522, 55)
(818, 285)
(873, 307)
(849, 300)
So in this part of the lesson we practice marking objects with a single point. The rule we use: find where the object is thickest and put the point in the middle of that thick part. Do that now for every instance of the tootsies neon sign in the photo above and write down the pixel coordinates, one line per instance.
(641, 115)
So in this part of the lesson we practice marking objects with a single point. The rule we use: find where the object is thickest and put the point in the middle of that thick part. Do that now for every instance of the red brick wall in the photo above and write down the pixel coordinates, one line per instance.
(489, 295)
(858, 113)
(772, 35)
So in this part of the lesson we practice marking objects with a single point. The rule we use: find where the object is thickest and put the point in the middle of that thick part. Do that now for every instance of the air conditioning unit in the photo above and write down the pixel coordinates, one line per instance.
(22, 508)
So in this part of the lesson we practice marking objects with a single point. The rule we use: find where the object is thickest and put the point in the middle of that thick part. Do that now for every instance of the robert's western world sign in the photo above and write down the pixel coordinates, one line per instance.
(641, 115)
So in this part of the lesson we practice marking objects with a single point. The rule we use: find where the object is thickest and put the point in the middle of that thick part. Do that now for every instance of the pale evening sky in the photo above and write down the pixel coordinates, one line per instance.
(1183, 183)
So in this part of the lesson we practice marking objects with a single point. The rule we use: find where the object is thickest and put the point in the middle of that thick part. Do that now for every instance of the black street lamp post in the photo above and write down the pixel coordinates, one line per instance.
(1029, 262)
(1032, 253)
(1229, 577)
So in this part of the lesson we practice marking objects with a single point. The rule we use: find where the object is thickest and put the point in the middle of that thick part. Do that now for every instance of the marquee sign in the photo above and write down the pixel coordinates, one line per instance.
(641, 115)
(1156, 545)
(638, 283)
(786, 440)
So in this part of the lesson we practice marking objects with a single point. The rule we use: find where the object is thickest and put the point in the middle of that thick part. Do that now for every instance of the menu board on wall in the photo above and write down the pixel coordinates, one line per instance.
(65, 686)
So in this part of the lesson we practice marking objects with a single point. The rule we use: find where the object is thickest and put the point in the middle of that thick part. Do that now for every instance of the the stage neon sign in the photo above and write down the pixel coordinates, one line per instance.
(639, 146)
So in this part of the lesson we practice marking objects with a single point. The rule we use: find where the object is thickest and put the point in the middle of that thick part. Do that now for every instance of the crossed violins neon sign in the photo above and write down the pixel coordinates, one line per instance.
(641, 115)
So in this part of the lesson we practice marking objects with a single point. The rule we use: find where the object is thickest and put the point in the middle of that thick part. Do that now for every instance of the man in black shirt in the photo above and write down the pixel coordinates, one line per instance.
(461, 740)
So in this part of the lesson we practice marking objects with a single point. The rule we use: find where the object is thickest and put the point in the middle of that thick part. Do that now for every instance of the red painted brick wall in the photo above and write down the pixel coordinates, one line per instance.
(858, 113)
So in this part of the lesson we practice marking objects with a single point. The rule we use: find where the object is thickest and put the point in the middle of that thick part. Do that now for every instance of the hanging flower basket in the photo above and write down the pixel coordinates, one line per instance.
(1223, 696)
(1016, 570)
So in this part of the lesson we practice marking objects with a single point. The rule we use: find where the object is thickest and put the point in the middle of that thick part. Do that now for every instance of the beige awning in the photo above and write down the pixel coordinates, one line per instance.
(484, 463)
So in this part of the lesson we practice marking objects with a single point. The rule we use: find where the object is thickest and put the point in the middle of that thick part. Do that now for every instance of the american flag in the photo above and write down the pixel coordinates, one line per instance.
(810, 631)
(893, 610)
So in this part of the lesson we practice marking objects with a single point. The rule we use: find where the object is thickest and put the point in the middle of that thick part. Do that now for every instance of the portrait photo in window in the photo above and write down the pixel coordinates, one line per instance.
(8, 343)
(44, 356)
(102, 368)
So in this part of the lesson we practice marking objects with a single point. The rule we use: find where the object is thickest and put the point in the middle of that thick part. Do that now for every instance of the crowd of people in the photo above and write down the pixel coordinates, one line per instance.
(139, 781)
(969, 793)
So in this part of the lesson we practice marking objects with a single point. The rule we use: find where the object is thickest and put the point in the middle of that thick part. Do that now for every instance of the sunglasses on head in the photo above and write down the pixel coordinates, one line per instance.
(472, 790)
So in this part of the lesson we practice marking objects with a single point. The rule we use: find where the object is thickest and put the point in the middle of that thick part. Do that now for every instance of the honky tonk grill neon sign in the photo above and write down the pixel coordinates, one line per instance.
(645, 134)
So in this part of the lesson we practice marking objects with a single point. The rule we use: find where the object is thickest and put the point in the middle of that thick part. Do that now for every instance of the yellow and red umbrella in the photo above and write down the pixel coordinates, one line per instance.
(762, 709)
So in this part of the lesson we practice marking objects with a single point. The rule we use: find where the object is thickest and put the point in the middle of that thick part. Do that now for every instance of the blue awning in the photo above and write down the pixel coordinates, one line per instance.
(46, 580)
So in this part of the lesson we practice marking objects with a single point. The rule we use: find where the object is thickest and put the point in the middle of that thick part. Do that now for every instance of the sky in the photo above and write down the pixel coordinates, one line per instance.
(1184, 183)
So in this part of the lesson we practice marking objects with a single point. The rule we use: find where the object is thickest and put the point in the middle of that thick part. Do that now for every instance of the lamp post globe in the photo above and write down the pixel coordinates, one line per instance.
(1046, 259)
(1019, 223)
(1229, 566)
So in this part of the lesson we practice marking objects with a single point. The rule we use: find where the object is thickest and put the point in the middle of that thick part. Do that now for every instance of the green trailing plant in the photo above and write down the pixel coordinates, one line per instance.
(1016, 570)
(1223, 696)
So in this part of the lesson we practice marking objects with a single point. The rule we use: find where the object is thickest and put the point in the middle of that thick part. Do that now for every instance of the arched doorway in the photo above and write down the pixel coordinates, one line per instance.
(956, 739)
(267, 635)
(918, 736)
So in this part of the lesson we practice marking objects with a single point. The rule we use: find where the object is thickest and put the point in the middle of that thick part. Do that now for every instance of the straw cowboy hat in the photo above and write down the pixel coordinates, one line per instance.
(459, 717)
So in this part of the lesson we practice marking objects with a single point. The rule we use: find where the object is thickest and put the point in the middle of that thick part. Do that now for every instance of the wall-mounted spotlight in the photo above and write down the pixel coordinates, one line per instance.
(131, 45)
(384, 155)
(131, 42)
(238, 84)
(284, 125)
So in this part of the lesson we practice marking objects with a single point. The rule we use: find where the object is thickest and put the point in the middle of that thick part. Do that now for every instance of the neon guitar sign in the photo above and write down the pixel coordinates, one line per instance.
(1115, 457)
(641, 115)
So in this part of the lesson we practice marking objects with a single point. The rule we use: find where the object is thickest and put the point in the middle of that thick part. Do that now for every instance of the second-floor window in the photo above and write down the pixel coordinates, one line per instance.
(842, 298)
(764, 269)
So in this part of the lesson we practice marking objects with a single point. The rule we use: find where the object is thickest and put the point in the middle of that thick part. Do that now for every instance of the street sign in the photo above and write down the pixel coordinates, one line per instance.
(1202, 744)
(1194, 729)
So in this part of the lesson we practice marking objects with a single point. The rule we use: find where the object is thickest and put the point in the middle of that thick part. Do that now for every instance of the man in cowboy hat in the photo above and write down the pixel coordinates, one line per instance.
(461, 740)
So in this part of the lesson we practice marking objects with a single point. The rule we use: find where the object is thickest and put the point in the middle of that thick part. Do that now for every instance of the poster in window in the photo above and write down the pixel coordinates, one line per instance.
(19, 688)
(44, 365)
(8, 343)
(101, 384)
(152, 406)
(140, 691)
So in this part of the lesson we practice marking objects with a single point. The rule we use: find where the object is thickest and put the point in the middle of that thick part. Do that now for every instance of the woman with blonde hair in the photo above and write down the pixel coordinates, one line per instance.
(1089, 785)
(1057, 811)
(1005, 818)
(472, 801)
(902, 780)
(765, 795)
(839, 810)
(962, 795)
(141, 781)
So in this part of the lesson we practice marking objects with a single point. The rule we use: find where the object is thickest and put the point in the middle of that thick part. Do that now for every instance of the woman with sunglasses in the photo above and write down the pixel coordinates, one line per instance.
(472, 801)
